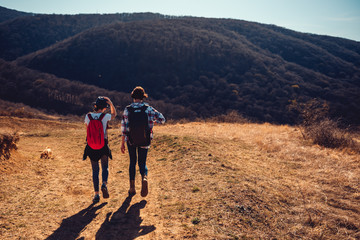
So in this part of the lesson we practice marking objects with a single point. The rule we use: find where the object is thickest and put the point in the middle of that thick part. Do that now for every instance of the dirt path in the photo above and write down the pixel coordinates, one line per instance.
(207, 181)
(51, 198)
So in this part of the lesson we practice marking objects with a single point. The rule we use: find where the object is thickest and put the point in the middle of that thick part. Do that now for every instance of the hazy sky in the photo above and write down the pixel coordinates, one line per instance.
(339, 18)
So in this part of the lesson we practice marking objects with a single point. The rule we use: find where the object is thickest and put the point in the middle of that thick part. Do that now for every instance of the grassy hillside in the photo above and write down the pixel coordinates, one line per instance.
(207, 181)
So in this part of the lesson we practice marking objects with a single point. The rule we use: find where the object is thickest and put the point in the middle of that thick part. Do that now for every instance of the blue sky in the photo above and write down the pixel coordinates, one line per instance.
(340, 18)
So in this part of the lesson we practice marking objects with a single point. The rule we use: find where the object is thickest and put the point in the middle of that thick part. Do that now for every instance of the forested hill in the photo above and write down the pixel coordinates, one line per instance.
(8, 14)
(209, 66)
(57, 95)
(21, 36)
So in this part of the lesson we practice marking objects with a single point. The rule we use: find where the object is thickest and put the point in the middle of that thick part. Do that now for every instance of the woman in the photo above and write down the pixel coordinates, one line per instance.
(96, 153)
(131, 125)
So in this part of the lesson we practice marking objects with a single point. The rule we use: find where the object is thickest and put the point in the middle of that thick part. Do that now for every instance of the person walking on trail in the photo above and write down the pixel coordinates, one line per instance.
(137, 123)
(97, 143)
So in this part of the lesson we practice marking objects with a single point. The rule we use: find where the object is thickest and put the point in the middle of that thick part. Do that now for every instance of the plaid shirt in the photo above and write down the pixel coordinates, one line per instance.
(153, 116)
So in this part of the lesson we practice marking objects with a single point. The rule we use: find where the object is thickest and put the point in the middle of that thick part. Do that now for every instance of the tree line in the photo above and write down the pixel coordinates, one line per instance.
(208, 66)
(62, 96)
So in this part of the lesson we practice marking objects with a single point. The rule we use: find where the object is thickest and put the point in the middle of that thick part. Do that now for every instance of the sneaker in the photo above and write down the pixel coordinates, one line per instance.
(132, 190)
(144, 187)
(105, 191)
(96, 199)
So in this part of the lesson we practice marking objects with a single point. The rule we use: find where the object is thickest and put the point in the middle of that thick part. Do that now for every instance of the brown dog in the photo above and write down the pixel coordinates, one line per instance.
(46, 154)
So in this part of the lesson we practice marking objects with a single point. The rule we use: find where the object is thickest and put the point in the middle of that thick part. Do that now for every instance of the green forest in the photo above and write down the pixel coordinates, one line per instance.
(191, 67)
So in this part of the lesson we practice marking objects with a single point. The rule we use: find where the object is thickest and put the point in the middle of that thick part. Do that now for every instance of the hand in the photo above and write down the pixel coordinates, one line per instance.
(108, 101)
(123, 147)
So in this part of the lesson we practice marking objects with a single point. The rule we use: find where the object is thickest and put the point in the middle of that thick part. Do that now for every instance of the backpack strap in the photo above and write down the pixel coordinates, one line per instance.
(129, 108)
(90, 117)
(102, 116)
(145, 107)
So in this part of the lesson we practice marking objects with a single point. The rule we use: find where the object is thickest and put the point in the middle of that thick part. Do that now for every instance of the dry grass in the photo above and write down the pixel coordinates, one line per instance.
(207, 181)
(7, 144)
(327, 133)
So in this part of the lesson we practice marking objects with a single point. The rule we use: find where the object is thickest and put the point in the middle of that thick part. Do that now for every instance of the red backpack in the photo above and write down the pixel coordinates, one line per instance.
(95, 132)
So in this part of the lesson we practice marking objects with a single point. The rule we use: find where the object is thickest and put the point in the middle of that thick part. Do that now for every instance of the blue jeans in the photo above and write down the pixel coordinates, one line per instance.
(137, 154)
(96, 170)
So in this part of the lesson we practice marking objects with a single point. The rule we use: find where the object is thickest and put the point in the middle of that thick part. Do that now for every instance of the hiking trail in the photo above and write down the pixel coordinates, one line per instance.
(206, 181)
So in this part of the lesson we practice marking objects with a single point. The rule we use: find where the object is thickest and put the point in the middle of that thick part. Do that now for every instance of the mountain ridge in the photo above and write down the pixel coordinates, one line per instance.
(43, 30)
(210, 66)
(196, 57)
(9, 14)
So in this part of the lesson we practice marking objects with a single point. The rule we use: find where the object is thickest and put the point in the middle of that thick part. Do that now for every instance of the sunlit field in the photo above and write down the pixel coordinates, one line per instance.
(206, 181)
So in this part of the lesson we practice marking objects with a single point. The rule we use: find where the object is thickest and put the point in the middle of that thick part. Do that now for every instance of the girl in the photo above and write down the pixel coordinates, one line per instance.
(100, 106)
(138, 152)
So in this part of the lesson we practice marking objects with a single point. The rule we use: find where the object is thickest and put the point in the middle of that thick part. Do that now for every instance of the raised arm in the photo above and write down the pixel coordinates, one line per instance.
(112, 108)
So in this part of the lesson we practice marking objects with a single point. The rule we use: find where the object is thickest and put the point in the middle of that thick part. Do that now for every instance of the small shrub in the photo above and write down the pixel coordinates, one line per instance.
(7, 144)
(195, 189)
(230, 117)
(326, 133)
(314, 111)
(195, 221)
(320, 129)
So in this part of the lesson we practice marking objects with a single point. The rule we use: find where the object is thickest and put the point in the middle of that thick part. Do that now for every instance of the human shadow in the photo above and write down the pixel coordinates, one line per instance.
(71, 227)
(124, 224)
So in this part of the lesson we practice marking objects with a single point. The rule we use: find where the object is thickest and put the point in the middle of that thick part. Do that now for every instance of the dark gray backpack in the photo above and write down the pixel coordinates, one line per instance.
(139, 131)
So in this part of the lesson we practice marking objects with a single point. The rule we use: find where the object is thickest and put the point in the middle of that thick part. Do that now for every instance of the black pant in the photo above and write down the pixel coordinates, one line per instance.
(96, 170)
(137, 154)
